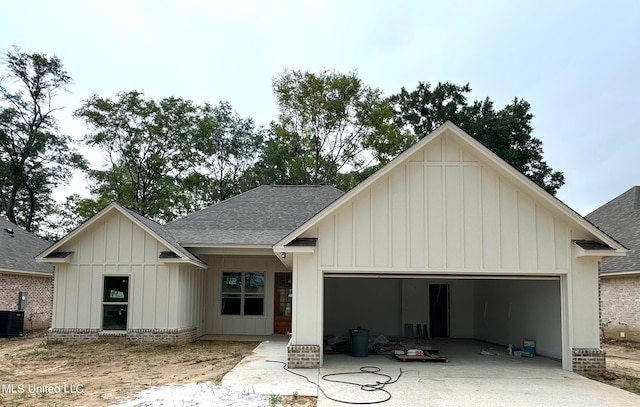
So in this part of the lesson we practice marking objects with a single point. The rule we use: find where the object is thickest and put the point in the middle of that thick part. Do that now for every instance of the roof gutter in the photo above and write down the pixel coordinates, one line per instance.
(28, 273)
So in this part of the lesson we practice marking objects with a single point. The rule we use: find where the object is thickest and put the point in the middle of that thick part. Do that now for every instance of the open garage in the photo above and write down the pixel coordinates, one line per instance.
(449, 236)
(497, 310)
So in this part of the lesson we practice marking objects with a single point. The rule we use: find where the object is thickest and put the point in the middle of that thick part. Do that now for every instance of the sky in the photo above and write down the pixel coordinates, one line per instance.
(576, 62)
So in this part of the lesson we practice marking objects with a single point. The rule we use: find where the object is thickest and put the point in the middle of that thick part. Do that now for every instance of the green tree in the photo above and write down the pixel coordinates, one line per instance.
(149, 150)
(327, 124)
(34, 156)
(226, 146)
(506, 132)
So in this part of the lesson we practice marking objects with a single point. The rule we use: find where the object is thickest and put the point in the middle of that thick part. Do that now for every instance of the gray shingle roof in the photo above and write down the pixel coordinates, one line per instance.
(161, 231)
(261, 216)
(620, 218)
(18, 250)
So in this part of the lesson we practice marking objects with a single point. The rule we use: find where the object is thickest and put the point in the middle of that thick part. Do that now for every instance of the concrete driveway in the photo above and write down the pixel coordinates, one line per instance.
(468, 379)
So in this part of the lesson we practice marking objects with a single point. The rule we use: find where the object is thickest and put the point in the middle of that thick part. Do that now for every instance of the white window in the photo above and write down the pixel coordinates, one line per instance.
(115, 302)
(242, 293)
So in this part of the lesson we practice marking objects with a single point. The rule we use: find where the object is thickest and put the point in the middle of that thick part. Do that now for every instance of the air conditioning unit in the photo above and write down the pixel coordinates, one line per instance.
(11, 324)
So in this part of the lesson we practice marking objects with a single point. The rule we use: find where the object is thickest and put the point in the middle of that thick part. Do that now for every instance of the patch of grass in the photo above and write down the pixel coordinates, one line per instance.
(622, 381)
(53, 342)
(35, 333)
(275, 399)
(631, 384)
(38, 352)
(152, 349)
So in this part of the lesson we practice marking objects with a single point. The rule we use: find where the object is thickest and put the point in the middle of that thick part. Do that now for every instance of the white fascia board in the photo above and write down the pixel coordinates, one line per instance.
(581, 252)
(225, 246)
(294, 249)
(184, 260)
(53, 260)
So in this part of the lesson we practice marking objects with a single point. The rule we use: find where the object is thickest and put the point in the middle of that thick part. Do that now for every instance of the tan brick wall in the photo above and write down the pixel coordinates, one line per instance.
(158, 336)
(620, 307)
(585, 360)
(303, 356)
(169, 336)
(72, 335)
(37, 314)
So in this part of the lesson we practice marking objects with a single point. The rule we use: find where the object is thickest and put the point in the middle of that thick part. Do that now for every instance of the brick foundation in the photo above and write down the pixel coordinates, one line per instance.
(159, 336)
(303, 356)
(73, 335)
(37, 314)
(168, 336)
(585, 360)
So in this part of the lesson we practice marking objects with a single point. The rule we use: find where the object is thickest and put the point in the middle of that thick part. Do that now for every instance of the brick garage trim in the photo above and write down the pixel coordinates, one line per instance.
(585, 360)
(158, 336)
(303, 356)
(37, 314)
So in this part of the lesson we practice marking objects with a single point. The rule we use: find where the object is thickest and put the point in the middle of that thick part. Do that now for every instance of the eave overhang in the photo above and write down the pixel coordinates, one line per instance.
(592, 248)
(55, 257)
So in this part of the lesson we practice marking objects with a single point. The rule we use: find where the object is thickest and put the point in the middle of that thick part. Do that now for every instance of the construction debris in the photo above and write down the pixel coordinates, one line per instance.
(380, 345)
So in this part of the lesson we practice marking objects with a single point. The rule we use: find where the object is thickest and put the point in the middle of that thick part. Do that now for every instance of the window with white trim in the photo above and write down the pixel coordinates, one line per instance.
(242, 293)
(115, 302)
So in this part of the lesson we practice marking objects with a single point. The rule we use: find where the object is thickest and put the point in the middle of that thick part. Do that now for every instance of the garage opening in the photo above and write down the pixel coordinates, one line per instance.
(498, 310)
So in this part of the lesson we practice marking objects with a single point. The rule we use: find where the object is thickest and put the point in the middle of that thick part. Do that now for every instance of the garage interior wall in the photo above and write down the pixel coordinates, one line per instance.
(516, 309)
(508, 311)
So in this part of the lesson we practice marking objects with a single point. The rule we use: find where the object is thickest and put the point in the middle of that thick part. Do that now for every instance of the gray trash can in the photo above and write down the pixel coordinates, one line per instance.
(359, 338)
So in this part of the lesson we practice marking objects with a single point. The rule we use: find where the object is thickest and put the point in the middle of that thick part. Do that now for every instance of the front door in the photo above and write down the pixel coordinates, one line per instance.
(283, 304)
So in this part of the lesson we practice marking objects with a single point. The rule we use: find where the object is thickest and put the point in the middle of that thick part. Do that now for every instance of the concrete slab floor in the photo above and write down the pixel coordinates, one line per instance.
(469, 378)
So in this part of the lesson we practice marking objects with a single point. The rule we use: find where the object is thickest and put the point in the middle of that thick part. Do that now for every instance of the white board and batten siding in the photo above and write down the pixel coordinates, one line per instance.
(161, 296)
(216, 323)
(443, 209)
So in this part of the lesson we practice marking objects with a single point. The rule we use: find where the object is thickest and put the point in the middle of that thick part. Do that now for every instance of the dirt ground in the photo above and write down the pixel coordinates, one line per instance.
(101, 374)
(623, 365)
(105, 373)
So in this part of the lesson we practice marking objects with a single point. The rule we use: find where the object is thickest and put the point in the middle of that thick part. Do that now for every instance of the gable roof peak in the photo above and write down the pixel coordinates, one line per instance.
(155, 229)
(489, 158)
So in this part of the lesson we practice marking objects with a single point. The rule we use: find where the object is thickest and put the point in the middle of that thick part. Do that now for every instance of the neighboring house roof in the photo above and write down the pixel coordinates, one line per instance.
(155, 229)
(261, 216)
(492, 160)
(620, 218)
(18, 249)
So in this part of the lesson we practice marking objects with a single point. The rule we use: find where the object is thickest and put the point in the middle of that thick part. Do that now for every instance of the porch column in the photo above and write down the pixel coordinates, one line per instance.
(305, 348)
